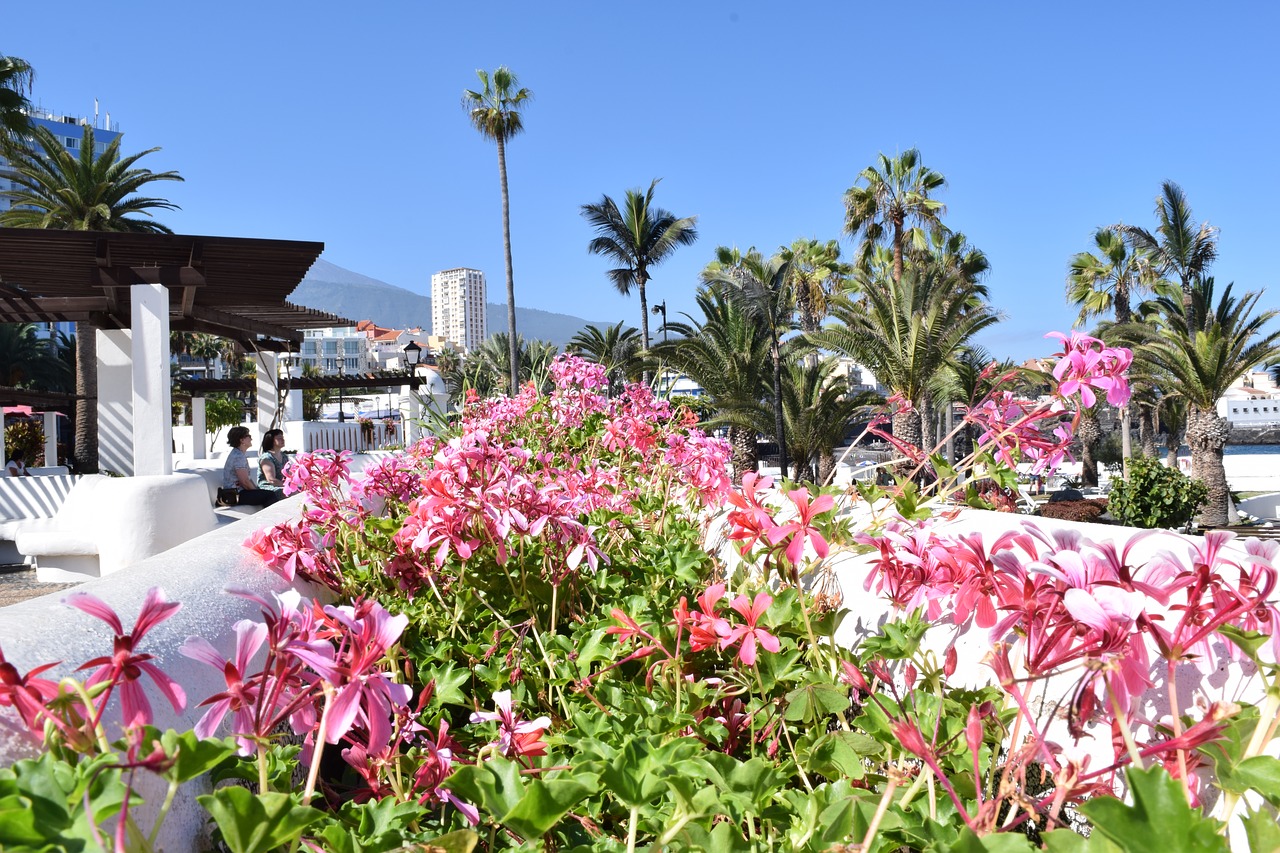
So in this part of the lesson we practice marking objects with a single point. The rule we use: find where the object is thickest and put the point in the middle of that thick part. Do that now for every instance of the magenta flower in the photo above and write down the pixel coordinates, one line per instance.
(751, 634)
(516, 737)
(707, 629)
(1084, 367)
(125, 667)
(802, 528)
(26, 694)
(241, 694)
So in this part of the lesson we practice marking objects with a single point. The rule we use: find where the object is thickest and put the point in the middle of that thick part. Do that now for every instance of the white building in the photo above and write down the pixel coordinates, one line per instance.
(458, 307)
(1253, 401)
(341, 349)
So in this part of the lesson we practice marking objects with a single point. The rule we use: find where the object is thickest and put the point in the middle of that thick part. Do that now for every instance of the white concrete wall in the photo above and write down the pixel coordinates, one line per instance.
(151, 391)
(115, 401)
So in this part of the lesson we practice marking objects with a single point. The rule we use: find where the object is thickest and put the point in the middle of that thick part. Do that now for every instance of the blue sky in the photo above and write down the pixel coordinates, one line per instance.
(342, 123)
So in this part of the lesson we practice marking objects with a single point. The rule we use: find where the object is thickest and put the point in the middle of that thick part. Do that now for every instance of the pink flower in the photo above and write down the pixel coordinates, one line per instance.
(708, 629)
(1084, 367)
(516, 737)
(26, 694)
(125, 666)
(241, 694)
(802, 528)
(751, 634)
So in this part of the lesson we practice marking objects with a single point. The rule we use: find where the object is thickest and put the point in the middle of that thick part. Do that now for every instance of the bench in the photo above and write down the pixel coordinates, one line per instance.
(27, 499)
(213, 481)
(108, 523)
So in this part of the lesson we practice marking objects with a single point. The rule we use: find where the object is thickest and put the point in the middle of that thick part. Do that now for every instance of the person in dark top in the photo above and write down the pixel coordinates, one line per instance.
(235, 473)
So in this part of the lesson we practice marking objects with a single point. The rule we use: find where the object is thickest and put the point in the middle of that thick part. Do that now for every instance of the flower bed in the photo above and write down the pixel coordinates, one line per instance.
(535, 647)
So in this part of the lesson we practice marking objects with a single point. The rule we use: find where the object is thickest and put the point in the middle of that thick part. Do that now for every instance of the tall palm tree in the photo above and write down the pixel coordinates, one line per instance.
(637, 236)
(616, 348)
(818, 411)
(953, 254)
(1206, 349)
(16, 77)
(1178, 246)
(27, 361)
(907, 332)
(760, 285)
(495, 112)
(817, 273)
(88, 192)
(727, 353)
(894, 194)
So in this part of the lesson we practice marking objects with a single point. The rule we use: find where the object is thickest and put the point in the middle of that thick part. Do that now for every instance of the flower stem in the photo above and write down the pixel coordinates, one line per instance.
(314, 770)
(631, 829)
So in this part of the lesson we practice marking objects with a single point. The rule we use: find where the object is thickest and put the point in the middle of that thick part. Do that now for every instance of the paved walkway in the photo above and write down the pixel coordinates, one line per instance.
(18, 583)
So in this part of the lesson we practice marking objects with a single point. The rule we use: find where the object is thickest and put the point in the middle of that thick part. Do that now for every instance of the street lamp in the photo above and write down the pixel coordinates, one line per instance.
(342, 372)
(412, 356)
(661, 308)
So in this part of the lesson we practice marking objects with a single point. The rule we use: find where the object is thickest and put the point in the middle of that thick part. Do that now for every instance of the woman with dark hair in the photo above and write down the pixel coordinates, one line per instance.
(271, 461)
(235, 474)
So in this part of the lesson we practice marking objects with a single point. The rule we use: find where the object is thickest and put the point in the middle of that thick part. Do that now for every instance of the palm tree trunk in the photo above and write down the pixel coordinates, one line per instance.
(744, 456)
(1089, 434)
(1206, 436)
(897, 251)
(86, 441)
(906, 427)
(777, 408)
(826, 466)
(506, 256)
(641, 279)
(1147, 432)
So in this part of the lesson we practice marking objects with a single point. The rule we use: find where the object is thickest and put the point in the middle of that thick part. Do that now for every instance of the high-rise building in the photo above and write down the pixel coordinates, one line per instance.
(458, 307)
(70, 132)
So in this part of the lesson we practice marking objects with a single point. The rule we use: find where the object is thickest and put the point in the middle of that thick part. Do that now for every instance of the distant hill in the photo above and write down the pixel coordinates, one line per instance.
(329, 287)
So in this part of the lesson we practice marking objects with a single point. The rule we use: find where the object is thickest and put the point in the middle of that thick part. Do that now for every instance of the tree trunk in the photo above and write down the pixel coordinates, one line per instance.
(906, 427)
(512, 353)
(897, 251)
(1206, 436)
(86, 442)
(743, 441)
(641, 279)
(777, 408)
(1089, 434)
(826, 467)
(1172, 443)
(1147, 432)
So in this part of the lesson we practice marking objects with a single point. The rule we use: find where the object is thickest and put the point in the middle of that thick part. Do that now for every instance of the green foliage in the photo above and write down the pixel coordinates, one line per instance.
(221, 411)
(1159, 818)
(26, 435)
(1155, 495)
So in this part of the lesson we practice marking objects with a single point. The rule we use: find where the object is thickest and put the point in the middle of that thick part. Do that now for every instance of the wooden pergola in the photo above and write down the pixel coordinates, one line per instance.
(235, 287)
(135, 289)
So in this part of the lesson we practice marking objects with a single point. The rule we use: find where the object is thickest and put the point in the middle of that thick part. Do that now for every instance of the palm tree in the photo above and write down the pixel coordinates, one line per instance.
(636, 237)
(615, 347)
(906, 333)
(206, 348)
(1206, 349)
(953, 254)
(760, 287)
(485, 368)
(818, 411)
(894, 194)
(1178, 246)
(16, 77)
(495, 112)
(83, 193)
(816, 274)
(727, 354)
(27, 361)
(1103, 283)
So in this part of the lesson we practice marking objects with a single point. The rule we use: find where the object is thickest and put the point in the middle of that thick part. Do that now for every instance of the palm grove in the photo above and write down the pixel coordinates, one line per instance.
(770, 326)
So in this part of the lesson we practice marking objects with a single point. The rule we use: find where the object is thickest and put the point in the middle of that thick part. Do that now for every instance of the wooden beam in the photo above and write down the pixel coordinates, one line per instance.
(56, 304)
(243, 324)
(169, 276)
(188, 300)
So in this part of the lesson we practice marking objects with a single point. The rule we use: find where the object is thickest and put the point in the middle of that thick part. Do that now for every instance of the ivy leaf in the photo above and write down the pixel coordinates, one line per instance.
(258, 823)
(193, 756)
(461, 841)
(449, 681)
(1260, 773)
(814, 702)
(1070, 841)
(1262, 831)
(1159, 818)
(544, 803)
(999, 842)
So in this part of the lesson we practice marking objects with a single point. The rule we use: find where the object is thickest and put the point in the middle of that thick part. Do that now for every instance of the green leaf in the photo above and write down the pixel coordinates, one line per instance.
(1159, 818)
(841, 755)
(1000, 842)
(1262, 831)
(1248, 641)
(193, 756)
(18, 823)
(257, 823)
(544, 803)
(461, 841)
(1260, 773)
(1070, 841)
(814, 702)
(449, 681)
(495, 785)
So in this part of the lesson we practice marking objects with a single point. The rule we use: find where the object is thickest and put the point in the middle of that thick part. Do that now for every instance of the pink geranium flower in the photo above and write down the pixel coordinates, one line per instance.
(802, 529)
(516, 737)
(751, 634)
(241, 694)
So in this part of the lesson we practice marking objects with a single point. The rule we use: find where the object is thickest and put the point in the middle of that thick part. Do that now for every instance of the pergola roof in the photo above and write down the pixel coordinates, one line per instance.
(235, 287)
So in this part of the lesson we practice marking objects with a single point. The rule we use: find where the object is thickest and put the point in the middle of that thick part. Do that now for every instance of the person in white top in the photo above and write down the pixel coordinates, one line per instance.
(17, 464)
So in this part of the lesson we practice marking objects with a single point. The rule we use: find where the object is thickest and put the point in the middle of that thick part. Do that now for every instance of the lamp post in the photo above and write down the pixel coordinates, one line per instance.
(342, 372)
(661, 308)
(412, 356)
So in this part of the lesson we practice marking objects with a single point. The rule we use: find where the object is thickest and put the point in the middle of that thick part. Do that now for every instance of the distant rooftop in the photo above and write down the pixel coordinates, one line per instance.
(97, 122)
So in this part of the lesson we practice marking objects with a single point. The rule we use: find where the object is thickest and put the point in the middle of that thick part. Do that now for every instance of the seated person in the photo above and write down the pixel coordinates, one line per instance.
(271, 461)
(17, 464)
(235, 473)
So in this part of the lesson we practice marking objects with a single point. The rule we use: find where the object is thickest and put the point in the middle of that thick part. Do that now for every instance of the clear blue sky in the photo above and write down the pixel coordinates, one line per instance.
(341, 122)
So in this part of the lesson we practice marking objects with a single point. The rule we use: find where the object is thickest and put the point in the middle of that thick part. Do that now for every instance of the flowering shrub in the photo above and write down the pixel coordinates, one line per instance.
(538, 650)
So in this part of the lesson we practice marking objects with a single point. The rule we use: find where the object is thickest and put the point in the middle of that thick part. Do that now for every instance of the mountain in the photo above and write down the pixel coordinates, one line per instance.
(329, 287)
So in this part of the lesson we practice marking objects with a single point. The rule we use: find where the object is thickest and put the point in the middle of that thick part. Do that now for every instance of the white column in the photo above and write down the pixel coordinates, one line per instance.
(268, 363)
(293, 403)
(199, 430)
(4, 453)
(152, 397)
(51, 439)
(411, 413)
(115, 401)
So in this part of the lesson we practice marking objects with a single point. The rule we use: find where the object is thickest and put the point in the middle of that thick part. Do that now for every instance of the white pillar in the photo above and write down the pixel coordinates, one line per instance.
(293, 403)
(115, 401)
(51, 439)
(268, 365)
(152, 397)
(199, 430)
(410, 415)
(4, 453)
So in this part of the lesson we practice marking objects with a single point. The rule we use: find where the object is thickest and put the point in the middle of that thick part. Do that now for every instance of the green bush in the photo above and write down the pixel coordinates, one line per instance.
(1156, 496)
(26, 435)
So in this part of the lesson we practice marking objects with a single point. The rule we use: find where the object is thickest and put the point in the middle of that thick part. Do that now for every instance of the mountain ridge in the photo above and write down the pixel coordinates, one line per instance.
(356, 296)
